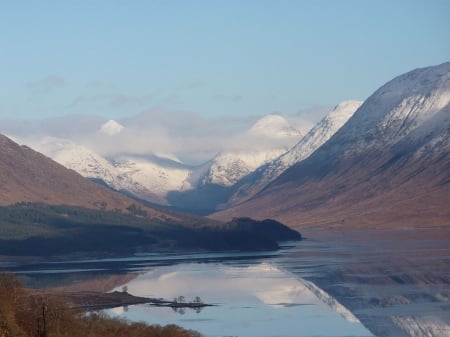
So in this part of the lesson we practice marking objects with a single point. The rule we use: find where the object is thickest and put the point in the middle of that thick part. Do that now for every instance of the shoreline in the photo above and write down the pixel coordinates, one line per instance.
(96, 300)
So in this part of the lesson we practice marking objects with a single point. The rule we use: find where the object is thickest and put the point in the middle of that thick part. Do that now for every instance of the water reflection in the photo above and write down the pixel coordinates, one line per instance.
(253, 300)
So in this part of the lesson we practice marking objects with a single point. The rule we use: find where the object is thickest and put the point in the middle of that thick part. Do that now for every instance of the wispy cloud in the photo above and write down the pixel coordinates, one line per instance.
(46, 84)
(189, 136)
(114, 101)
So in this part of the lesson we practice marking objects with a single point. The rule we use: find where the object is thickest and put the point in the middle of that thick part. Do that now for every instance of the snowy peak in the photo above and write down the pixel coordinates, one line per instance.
(389, 164)
(399, 107)
(315, 138)
(274, 126)
(320, 133)
(268, 138)
(342, 112)
(111, 128)
(227, 168)
(78, 158)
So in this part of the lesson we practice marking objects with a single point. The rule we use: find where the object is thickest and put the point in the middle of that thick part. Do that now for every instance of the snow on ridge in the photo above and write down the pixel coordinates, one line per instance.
(271, 136)
(422, 326)
(320, 133)
(399, 107)
(316, 137)
(227, 168)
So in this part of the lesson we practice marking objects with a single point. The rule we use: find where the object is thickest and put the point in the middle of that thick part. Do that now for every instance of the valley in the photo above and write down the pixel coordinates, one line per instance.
(367, 187)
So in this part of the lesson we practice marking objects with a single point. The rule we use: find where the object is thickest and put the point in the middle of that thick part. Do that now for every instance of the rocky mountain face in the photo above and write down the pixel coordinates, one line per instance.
(389, 164)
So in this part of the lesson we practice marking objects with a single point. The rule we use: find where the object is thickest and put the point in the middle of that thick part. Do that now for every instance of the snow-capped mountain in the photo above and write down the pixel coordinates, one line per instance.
(78, 158)
(388, 164)
(149, 178)
(411, 105)
(227, 168)
(274, 126)
(267, 139)
(151, 173)
(152, 177)
(317, 136)
(111, 128)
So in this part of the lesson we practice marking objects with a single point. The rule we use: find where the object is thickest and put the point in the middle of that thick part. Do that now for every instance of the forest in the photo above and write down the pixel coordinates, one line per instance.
(29, 229)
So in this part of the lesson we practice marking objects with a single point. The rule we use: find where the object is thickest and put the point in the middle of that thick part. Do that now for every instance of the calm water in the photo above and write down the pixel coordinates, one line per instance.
(354, 286)
(257, 299)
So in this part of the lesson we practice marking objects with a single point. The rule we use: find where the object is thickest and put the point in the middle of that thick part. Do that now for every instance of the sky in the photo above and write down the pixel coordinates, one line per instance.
(253, 57)
(217, 60)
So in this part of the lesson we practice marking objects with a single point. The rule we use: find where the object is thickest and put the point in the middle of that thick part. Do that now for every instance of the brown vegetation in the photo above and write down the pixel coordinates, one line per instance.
(41, 315)
(359, 192)
(29, 176)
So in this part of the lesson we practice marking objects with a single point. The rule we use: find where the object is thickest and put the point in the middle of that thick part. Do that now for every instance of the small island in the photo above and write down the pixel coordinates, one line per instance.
(94, 300)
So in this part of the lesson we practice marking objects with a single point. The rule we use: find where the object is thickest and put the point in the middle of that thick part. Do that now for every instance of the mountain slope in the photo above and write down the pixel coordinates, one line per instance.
(28, 176)
(148, 178)
(389, 164)
(317, 136)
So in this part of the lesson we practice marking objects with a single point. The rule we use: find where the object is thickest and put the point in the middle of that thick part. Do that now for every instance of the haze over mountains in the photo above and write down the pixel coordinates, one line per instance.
(389, 164)
(158, 177)
(384, 160)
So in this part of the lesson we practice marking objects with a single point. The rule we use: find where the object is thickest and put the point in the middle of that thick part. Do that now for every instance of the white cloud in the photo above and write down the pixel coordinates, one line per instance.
(189, 136)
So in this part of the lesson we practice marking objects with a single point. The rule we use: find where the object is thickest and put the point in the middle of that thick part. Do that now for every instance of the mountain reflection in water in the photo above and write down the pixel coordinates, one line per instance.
(254, 300)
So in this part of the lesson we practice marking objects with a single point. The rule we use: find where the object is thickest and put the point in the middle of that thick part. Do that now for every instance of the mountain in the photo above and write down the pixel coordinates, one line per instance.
(265, 140)
(317, 136)
(29, 176)
(389, 164)
(268, 138)
(47, 209)
(165, 180)
(146, 177)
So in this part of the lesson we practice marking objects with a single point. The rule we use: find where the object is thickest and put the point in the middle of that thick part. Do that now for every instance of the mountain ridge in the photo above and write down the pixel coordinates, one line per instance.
(389, 164)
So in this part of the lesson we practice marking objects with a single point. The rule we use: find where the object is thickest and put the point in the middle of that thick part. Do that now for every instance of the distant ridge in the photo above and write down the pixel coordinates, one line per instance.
(389, 164)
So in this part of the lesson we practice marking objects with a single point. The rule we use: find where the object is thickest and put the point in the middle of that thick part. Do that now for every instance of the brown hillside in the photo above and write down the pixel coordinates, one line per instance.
(405, 194)
(28, 176)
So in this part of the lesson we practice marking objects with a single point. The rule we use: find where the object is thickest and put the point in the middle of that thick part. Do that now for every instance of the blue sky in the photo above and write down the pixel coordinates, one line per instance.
(116, 59)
